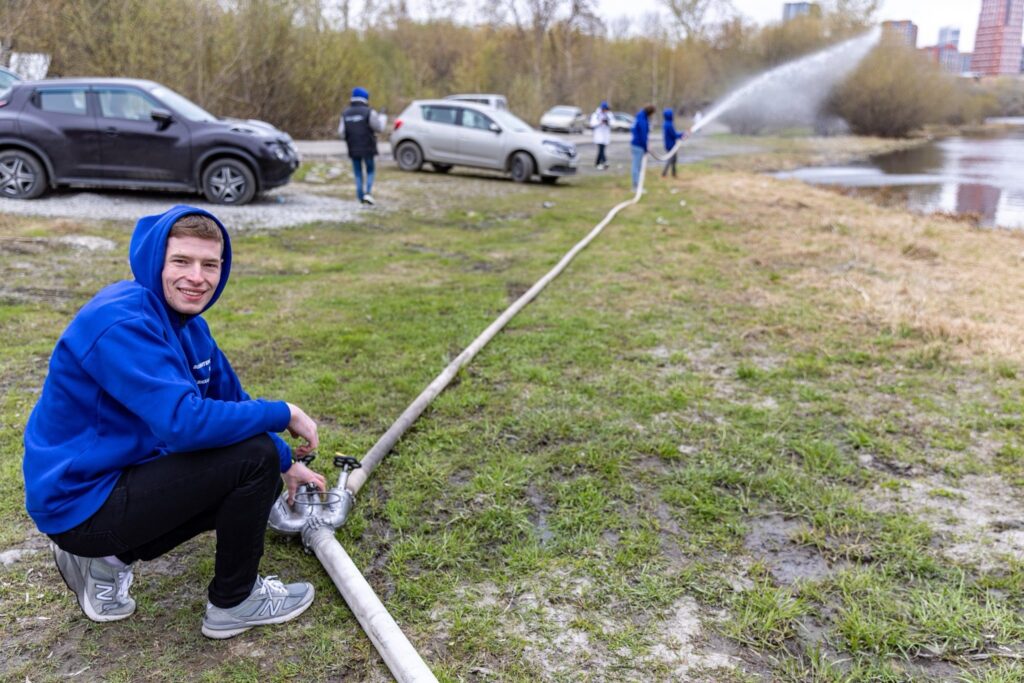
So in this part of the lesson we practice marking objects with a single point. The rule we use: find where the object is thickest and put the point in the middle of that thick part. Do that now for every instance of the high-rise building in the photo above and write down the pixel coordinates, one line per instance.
(905, 30)
(997, 43)
(792, 10)
(949, 35)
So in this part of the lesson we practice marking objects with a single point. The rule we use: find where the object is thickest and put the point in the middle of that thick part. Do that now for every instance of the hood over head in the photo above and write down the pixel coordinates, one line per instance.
(667, 114)
(149, 246)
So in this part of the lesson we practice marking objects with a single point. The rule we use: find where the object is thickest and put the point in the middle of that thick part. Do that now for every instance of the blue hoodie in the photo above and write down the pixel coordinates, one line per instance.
(132, 380)
(671, 136)
(640, 129)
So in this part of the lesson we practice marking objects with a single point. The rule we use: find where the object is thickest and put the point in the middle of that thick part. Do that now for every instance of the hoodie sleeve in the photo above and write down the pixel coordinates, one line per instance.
(225, 386)
(378, 121)
(341, 127)
(138, 367)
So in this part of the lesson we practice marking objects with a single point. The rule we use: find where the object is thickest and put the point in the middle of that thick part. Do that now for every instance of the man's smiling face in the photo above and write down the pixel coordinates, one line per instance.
(191, 273)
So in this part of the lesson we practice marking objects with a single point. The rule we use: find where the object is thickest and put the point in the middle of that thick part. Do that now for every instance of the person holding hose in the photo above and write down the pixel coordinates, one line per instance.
(143, 437)
(672, 136)
(638, 144)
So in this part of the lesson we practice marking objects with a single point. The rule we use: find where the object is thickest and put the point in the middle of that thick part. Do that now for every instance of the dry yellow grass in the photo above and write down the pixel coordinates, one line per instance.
(939, 275)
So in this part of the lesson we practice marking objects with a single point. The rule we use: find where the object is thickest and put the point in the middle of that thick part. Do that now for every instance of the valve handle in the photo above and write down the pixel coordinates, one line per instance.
(306, 459)
(346, 462)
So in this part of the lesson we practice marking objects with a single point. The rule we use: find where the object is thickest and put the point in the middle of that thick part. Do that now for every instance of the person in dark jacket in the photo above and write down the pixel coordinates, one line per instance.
(358, 127)
(672, 136)
(143, 437)
(638, 144)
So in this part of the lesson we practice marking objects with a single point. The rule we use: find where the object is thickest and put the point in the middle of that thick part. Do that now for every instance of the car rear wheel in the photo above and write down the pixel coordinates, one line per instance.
(522, 167)
(228, 181)
(409, 156)
(21, 175)
(441, 168)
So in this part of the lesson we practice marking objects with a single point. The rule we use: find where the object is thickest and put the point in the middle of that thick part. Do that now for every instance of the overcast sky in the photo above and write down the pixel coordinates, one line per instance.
(929, 15)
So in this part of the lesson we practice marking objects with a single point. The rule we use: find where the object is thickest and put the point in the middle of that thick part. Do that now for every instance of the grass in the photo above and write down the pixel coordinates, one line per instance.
(733, 442)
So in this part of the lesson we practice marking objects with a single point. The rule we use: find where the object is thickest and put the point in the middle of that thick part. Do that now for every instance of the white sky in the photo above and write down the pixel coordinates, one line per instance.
(929, 15)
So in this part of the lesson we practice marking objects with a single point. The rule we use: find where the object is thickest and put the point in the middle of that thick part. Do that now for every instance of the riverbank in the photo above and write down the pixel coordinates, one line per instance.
(757, 431)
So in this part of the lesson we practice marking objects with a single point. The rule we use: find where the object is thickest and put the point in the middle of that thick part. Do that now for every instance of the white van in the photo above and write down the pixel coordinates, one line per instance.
(486, 99)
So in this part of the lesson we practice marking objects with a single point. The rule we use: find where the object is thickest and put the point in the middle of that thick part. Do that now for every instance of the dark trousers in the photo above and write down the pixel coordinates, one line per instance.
(159, 505)
(670, 162)
(601, 159)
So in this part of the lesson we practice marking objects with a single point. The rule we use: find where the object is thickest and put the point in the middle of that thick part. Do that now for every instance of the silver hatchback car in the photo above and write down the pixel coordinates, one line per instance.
(447, 133)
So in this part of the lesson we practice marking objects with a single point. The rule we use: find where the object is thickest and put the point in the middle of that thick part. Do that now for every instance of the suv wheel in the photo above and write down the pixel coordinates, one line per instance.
(228, 181)
(522, 167)
(21, 175)
(409, 156)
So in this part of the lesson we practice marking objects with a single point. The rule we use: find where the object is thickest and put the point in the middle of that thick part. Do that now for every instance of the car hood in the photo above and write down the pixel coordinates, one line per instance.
(534, 138)
(259, 129)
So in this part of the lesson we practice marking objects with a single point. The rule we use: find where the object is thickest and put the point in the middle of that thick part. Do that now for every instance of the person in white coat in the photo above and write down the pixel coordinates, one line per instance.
(601, 123)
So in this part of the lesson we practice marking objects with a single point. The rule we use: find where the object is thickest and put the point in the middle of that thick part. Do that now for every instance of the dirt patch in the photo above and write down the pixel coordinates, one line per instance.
(769, 540)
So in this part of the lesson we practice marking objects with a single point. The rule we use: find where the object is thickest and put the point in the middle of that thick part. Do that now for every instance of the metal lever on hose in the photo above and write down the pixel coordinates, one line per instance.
(347, 463)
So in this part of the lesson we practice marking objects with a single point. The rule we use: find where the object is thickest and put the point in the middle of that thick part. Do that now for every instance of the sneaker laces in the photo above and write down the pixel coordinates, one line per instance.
(124, 582)
(271, 585)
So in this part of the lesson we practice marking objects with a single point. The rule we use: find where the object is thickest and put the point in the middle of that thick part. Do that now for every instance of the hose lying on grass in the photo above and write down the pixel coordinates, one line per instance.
(316, 517)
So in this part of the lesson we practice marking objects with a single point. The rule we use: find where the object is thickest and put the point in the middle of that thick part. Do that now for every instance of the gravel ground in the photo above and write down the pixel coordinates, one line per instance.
(284, 206)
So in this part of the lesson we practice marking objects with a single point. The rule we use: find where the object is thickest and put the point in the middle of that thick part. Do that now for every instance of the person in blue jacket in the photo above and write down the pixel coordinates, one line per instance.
(638, 144)
(143, 437)
(672, 136)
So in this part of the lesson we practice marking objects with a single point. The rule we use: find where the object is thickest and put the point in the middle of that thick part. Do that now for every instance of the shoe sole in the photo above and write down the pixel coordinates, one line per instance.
(221, 634)
(87, 609)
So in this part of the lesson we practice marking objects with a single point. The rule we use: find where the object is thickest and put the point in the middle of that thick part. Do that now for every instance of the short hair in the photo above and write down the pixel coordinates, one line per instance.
(649, 108)
(196, 225)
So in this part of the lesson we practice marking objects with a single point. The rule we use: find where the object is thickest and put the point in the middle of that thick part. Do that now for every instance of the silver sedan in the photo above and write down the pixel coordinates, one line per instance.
(445, 133)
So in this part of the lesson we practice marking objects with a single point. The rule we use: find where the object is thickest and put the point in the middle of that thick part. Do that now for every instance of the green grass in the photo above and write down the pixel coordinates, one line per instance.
(598, 465)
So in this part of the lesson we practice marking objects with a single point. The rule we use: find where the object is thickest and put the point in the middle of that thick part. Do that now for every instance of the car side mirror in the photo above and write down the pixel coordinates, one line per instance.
(494, 128)
(163, 117)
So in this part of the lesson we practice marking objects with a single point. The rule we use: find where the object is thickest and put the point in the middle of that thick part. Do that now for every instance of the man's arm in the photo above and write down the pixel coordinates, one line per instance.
(378, 120)
(162, 392)
(341, 127)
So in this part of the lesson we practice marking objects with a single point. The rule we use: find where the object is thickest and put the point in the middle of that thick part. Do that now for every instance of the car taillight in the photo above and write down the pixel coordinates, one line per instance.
(398, 124)
(3, 102)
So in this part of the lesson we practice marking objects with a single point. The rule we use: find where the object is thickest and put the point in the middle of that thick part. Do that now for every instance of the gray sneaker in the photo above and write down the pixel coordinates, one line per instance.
(102, 590)
(270, 602)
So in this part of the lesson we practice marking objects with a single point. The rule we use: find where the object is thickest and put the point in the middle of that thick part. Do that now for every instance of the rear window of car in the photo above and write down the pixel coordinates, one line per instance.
(63, 101)
(439, 114)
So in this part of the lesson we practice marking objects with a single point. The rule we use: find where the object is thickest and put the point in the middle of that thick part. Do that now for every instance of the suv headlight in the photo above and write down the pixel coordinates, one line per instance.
(280, 150)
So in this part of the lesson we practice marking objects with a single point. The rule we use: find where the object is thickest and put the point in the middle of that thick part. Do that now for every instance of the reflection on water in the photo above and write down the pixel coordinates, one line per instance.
(978, 176)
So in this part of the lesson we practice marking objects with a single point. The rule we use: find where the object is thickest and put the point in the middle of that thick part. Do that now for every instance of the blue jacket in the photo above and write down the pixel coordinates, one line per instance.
(640, 129)
(671, 136)
(131, 380)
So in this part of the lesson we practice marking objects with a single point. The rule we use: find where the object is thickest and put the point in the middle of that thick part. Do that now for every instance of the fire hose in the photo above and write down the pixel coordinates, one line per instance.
(315, 516)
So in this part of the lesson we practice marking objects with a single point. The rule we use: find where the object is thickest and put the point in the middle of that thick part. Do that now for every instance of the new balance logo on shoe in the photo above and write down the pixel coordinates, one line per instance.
(104, 591)
(271, 607)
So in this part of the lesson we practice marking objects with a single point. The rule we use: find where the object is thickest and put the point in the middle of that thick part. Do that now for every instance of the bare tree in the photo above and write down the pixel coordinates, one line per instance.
(692, 16)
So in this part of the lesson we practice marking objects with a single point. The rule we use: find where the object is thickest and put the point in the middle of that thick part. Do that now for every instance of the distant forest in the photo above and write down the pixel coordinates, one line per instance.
(294, 62)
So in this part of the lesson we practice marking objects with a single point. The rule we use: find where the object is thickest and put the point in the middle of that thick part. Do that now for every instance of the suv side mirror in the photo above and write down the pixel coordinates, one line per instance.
(494, 128)
(163, 117)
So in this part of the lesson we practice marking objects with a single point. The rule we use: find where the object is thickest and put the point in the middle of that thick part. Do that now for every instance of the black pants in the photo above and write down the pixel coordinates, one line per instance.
(160, 504)
(600, 155)
(670, 162)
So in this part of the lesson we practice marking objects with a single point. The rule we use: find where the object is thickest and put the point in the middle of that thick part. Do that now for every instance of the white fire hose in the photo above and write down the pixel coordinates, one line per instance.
(316, 516)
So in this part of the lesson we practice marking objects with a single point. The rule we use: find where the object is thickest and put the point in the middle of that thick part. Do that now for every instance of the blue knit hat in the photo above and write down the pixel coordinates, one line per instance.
(360, 94)
(604, 104)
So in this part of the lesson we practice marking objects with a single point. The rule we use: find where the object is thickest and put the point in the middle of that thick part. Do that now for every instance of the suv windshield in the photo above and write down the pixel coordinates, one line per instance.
(509, 121)
(184, 106)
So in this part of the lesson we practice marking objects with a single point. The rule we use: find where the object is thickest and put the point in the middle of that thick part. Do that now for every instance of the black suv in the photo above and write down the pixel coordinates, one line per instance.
(117, 132)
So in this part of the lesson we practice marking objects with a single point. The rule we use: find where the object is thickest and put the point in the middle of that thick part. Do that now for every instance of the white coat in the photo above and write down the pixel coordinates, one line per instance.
(600, 122)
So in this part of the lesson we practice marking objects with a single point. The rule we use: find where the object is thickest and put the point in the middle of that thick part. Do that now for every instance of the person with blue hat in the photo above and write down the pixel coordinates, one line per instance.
(358, 127)
(601, 124)
(671, 137)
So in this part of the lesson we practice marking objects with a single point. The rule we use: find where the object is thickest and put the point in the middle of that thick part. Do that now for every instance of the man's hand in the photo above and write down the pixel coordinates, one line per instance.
(297, 475)
(302, 426)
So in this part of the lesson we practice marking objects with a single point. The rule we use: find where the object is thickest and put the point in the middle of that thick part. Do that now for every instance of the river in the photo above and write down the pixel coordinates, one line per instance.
(978, 176)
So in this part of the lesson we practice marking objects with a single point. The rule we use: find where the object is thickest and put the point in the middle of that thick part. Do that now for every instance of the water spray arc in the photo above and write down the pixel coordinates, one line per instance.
(315, 517)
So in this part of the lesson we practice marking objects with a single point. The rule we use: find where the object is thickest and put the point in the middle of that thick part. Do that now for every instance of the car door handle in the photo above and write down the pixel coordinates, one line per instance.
(110, 131)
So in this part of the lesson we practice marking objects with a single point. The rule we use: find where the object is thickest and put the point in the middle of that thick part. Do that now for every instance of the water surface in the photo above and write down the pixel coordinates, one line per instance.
(978, 176)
